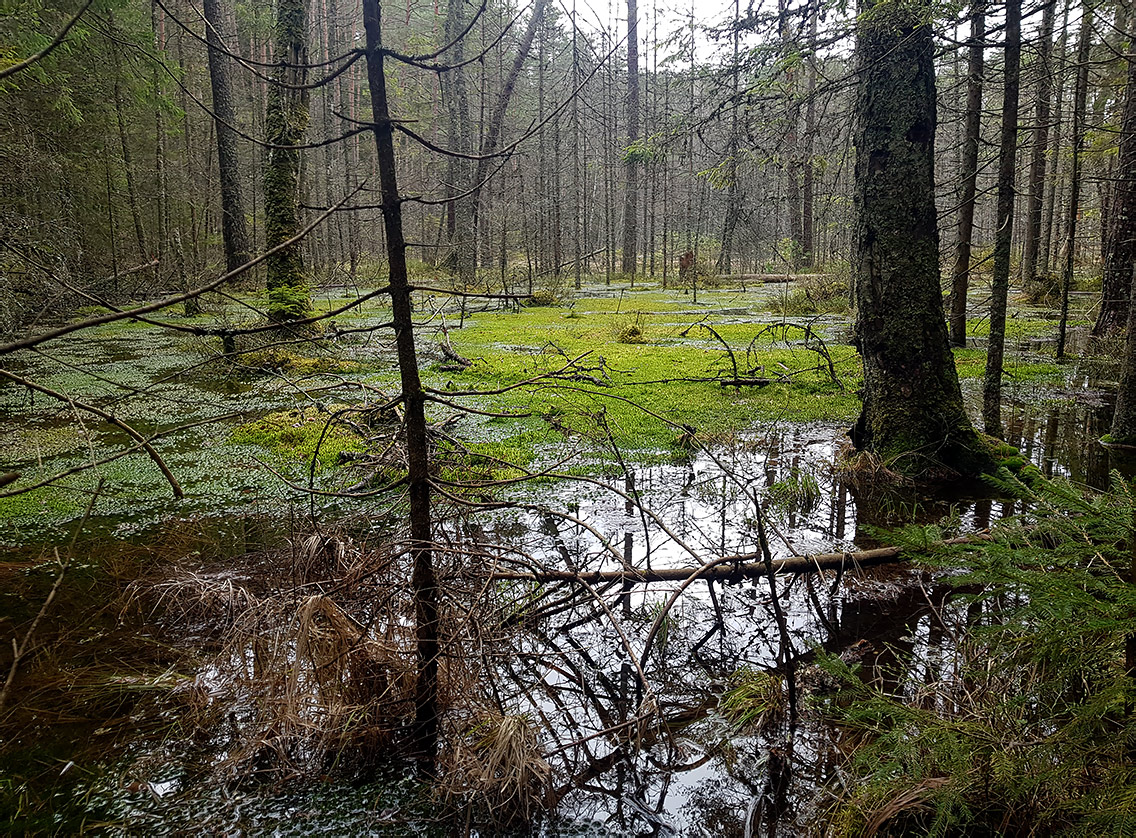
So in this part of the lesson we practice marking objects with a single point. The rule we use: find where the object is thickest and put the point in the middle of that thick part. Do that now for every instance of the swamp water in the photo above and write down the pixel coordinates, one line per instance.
(632, 740)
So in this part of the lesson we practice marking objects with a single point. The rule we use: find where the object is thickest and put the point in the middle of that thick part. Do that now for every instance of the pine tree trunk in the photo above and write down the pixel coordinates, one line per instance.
(1003, 239)
(1039, 154)
(1080, 93)
(127, 157)
(960, 276)
(808, 175)
(913, 416)
(1120, 244)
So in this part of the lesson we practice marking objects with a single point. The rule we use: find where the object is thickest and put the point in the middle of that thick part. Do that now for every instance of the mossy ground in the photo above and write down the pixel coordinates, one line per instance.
(646, 372)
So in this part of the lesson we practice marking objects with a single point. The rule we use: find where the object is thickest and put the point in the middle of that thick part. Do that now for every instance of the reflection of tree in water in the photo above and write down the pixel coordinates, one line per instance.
(634, 738)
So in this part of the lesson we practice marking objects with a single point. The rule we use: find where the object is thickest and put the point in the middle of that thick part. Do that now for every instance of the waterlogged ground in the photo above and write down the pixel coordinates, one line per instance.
(645, 712)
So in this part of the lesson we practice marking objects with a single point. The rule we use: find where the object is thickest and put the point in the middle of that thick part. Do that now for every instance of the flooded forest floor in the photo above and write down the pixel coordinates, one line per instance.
(241, 661)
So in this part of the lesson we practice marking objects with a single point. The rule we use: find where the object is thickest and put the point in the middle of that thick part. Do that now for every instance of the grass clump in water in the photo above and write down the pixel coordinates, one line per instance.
(300, 436)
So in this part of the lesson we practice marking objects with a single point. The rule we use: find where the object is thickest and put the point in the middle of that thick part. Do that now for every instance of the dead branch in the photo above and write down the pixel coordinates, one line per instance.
(107, 417)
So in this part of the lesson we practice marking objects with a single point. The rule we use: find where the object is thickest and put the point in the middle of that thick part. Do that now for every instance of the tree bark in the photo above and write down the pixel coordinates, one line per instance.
(456, 91)
(234, 233)
(127, 157)
(286, 120)
(808, 178)
(423, 583)
(1003, 238)
(913, 416)
(960, 276)
(1120, 245)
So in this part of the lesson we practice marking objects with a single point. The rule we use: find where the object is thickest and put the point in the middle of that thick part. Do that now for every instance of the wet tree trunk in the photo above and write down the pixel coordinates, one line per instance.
(1120, 245)
(161, 198)
(286, 120)
(960, 277)
(1003, 238)
(631, 161)
(233, 231)
(913, 416)
(414, 402)
(1040, 152)
(1122, 248)
(1048, 239)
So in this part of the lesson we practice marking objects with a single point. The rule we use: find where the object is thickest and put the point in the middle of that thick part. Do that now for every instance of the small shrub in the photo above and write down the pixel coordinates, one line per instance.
(544, 297)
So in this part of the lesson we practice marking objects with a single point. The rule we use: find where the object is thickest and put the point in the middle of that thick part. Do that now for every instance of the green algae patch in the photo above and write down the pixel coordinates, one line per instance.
(299, 436)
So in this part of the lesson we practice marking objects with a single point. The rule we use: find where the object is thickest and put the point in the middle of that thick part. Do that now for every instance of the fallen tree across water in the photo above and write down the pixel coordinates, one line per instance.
(740, 566)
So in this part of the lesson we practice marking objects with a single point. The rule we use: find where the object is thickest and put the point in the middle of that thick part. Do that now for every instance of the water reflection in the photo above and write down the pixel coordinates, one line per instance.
(689, 771)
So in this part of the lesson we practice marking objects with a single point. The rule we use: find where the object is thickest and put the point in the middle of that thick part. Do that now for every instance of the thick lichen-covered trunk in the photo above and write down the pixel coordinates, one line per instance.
(286, 121)
(913, 415)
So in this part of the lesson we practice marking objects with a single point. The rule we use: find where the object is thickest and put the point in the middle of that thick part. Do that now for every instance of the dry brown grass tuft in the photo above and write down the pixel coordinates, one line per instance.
(501, 772)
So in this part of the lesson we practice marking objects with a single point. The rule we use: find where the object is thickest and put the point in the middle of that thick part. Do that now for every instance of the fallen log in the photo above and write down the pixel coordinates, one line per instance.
(742, 566)
(745, 382)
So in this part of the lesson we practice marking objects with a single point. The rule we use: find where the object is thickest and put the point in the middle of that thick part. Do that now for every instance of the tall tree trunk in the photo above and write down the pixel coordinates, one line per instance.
(234, 234)
(161, 202)
(456, 91)
(286, 121)
(1039, 154)
(127, 157)
(1003, 238)
(1080, 92)
(631, 162)
(808, 174)
(414, 401)
(1048, 236)
(968, 187)
(1120, 245)
(725, 255)
(496, 124)
(577, 163)
(1119, 258)
(791, 140)
(913, 416)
